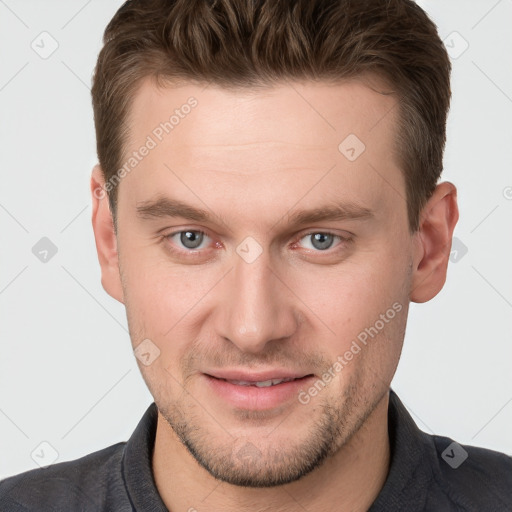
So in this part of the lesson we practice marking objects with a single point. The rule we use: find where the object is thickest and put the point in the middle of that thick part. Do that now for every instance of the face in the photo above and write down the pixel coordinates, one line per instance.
(257, 240)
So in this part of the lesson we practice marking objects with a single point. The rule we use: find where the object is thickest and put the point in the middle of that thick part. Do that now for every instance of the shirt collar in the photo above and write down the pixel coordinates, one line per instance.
(137, 466)
(410, 469)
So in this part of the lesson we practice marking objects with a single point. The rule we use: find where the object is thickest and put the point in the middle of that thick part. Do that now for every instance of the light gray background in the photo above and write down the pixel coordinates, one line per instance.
(67, 373)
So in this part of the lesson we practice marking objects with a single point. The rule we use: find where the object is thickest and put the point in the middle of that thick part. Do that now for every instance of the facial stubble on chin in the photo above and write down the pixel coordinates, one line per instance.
(244, 463)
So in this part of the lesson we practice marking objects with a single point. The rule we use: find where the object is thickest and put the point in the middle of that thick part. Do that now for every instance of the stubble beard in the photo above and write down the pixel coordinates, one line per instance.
(260, 462)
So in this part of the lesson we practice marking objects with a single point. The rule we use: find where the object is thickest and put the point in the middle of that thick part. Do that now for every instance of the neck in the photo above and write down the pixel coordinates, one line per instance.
(350, 480)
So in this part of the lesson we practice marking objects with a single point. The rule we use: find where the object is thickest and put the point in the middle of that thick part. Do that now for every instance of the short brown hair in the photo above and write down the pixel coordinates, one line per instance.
(249, 43)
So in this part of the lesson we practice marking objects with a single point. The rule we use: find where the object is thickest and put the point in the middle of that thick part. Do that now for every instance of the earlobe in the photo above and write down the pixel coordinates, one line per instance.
(432, 243)
(105, 236)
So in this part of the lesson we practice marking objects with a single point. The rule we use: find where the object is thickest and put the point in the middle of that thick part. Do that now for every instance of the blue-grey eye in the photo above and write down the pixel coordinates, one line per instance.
(320, 241)
(191, 239)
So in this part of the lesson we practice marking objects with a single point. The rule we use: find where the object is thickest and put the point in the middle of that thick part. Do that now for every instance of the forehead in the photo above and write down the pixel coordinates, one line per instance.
(306, 113)
(262, 146)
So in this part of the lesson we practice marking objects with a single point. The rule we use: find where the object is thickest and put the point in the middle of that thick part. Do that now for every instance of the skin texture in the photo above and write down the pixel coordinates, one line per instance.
(252, 159)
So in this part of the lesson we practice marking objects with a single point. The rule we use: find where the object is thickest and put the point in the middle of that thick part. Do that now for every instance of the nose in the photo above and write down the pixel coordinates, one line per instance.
(257, 305)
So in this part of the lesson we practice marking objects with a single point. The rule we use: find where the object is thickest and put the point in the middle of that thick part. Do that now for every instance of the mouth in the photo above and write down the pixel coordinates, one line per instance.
(257, 393)
(263, 383)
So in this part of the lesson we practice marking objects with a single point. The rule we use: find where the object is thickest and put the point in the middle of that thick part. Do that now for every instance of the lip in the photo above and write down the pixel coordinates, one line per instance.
(259, 376)
(255, 398)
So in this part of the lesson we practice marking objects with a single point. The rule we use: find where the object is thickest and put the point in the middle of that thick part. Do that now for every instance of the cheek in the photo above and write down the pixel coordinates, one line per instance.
(351, 296)
(164, 301)
(360, 309)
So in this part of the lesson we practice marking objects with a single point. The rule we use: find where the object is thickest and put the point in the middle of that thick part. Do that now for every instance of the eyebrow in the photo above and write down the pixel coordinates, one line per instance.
(164, 207)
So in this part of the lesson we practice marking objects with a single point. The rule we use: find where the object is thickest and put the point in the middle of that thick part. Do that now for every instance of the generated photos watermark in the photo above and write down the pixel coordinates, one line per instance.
(152, 140)
(342, 361)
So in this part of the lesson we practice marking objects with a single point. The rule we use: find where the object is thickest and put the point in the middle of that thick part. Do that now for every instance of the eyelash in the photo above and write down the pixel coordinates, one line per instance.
(344, 241)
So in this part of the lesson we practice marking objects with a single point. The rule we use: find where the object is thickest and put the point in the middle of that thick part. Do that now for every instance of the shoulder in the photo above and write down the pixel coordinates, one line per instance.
(474, 478)
(81, 484)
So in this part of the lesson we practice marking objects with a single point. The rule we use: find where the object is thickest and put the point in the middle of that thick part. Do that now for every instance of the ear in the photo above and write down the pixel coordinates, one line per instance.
(432, 243)
(105, 236)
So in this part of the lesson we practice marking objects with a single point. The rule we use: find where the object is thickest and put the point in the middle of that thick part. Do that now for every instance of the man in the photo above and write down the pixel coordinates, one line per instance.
(266, 205)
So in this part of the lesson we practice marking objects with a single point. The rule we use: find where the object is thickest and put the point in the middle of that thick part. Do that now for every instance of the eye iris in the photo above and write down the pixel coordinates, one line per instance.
(191, 239)
(322, 240)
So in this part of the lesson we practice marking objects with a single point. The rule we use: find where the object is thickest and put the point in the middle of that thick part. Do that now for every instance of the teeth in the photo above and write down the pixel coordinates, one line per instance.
(264, 384)
(261, 384)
